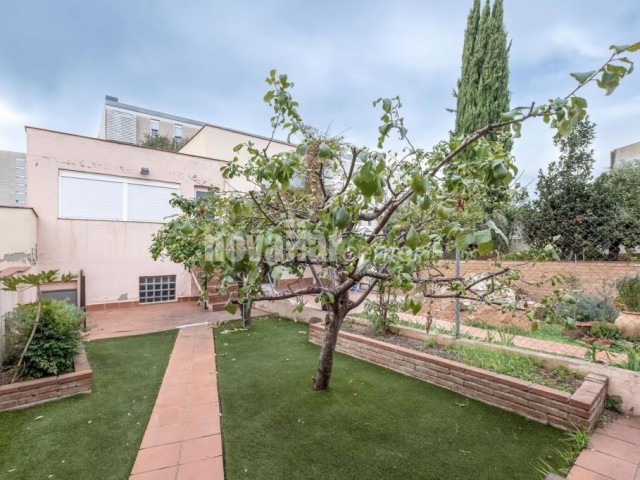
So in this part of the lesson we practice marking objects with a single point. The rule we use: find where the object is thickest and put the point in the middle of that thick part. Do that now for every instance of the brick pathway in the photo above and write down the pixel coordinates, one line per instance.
(183, 439)
(613, 453)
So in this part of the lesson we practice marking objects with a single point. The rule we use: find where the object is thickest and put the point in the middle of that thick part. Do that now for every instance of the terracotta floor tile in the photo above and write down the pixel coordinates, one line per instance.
(615, 447)
(202, 411)
(579, 473)
(606, 465)
(210, 426)
(200, 449)
(162, 436)
(155, 458)
(622, 432)
(164, 474)
(210, 469)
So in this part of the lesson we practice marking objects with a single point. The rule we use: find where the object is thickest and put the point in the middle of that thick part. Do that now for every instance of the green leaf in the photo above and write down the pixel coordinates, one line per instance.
(464, 239)
(413, 238)
(277, 272)
(324, 151)
(230, 307)
(582, 77)
(483, 236)
(570, 299)
(633, 47)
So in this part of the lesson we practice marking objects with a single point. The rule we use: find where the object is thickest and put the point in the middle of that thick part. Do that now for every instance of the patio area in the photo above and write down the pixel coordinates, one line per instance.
(158, 317)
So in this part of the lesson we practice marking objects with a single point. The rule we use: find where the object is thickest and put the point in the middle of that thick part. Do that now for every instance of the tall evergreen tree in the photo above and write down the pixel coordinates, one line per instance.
(483, 87)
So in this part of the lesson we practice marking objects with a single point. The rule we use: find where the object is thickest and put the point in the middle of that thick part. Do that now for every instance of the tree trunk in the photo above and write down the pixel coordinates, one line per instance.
(332, 323)
(245, 309)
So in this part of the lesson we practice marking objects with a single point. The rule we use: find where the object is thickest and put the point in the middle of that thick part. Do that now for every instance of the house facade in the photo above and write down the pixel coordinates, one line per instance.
(99, 204)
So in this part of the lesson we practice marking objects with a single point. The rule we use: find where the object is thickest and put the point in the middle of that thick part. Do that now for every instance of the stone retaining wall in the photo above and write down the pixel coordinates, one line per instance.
(536, 402)
(47, 389)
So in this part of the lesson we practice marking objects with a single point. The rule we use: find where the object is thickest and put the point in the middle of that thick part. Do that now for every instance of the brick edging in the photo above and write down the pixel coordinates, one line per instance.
(531, 400)
(47, 389)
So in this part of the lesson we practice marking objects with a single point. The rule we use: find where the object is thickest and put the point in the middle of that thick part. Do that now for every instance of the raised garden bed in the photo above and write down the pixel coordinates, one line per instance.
(32, 392)
(537, 402)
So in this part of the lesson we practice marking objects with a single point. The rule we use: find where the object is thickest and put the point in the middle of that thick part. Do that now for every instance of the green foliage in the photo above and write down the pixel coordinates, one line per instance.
(563, 205)
(573, 443)
(163, 142)
(629, 293)
(56, 340)
(633, 360)
(512, 364)
(605, 330)
(384, 310)
(613, 403)
(589, 309)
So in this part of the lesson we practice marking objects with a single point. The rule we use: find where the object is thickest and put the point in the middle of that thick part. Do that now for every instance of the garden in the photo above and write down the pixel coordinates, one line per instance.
(372, 423)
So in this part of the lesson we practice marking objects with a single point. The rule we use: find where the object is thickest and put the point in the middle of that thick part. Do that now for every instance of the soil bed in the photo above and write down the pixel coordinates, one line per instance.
(5, 376)
(518, 366)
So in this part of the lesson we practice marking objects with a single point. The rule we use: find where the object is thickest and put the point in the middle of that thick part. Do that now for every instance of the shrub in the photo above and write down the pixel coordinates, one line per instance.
(629, 293)
(55, 343)
(606, 330)
(590, 309)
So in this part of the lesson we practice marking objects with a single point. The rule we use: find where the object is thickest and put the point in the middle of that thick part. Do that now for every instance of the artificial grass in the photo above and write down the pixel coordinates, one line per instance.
(96, 435)
(371, 423)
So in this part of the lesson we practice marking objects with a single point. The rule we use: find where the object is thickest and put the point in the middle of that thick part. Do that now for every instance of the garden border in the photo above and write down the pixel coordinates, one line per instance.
(47, 389)
(536, 402)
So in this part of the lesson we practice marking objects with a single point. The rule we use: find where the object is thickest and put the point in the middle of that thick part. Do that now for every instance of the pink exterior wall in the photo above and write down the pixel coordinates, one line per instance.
(113, 254)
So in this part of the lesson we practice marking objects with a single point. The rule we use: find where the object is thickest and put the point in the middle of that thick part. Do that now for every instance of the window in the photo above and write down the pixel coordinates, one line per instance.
(178, 133)
(157, 289)
(104, 197)
(201, 192)
(155, 128)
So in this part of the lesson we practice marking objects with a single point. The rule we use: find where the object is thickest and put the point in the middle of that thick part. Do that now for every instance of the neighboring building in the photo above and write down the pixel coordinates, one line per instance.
(13, 182)
(99, 204)
(624, 155)
(129, 124)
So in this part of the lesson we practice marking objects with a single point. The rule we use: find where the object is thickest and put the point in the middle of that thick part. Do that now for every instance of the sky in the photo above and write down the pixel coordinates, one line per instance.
(207, 60)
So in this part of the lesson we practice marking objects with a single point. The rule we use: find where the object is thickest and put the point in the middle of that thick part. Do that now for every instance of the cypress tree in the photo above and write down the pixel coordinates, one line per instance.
(483, 88)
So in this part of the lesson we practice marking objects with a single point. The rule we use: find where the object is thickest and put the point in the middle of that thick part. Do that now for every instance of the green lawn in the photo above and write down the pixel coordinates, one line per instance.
(371, 424)
(93, 436)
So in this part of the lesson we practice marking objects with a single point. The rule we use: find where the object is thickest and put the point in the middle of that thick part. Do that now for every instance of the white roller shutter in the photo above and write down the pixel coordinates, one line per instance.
(90, 198)
(105, 197)
(149, 203)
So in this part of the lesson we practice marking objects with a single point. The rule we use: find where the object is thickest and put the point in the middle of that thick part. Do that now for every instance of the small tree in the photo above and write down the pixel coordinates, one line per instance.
(381, 215)
(32, 280)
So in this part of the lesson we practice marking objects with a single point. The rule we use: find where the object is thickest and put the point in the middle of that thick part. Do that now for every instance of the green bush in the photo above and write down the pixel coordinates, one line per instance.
(55, 343)
(629, 293)
(590, 309)
(606, 330)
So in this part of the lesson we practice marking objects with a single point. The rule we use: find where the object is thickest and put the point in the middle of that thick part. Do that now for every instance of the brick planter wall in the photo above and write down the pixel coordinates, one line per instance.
(47, 389)
(536, 402)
